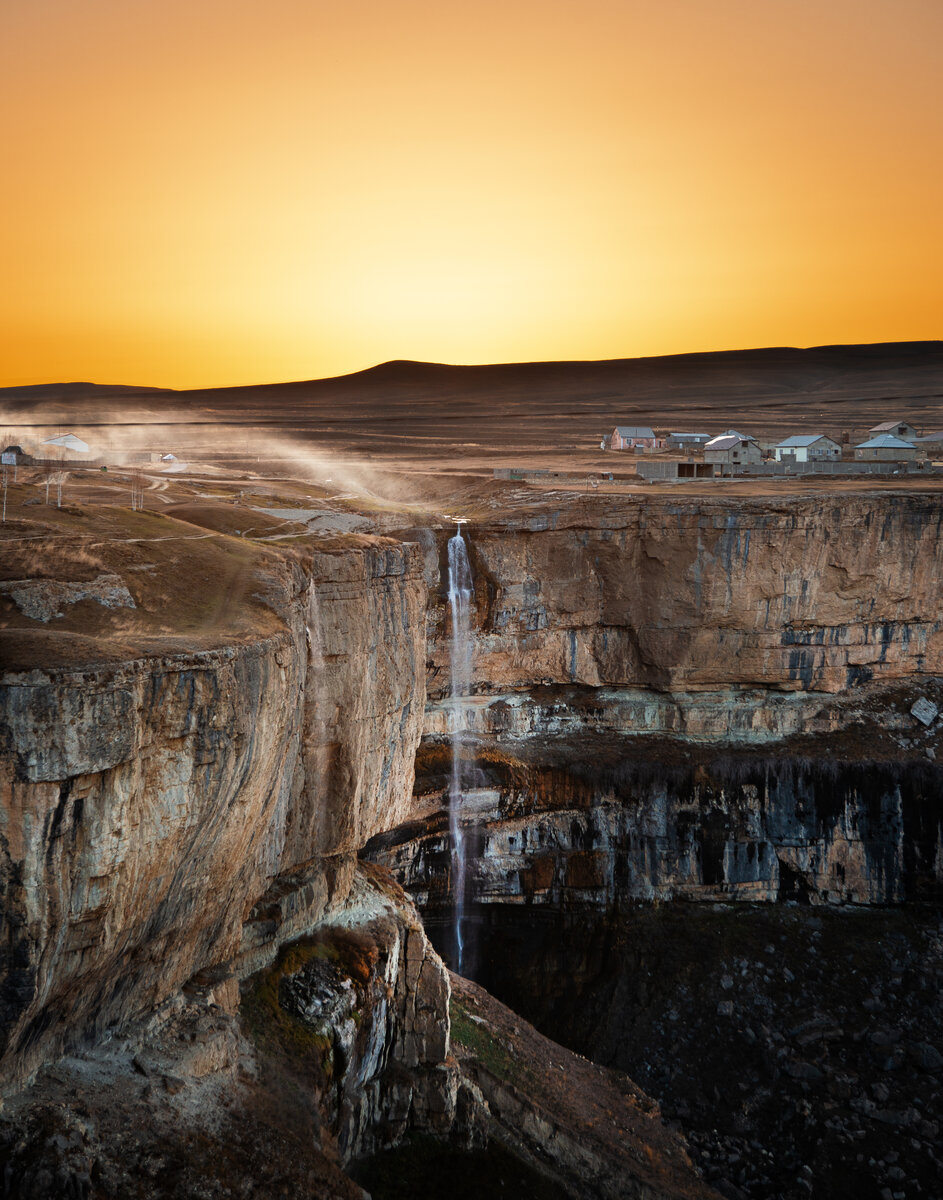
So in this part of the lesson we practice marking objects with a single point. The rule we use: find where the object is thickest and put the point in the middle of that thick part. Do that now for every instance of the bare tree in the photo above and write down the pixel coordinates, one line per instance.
(137, 491)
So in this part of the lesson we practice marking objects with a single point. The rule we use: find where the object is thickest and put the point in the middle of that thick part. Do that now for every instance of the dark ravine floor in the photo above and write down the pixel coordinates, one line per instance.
(799, 1049)
(424, 1166)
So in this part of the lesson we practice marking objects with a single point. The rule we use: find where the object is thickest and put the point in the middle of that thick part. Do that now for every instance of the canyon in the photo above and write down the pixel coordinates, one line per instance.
(226, 864)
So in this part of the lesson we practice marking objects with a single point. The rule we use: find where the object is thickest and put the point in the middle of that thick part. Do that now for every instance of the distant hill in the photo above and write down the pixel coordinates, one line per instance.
(773, 390)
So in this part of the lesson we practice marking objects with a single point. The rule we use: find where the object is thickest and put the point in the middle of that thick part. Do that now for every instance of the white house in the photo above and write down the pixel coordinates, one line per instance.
(807, 447)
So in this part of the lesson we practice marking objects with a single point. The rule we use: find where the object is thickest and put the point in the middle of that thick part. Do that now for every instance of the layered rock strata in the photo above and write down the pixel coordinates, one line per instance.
(173, 816)
(709, 610)
(634, 660)
(602, 824)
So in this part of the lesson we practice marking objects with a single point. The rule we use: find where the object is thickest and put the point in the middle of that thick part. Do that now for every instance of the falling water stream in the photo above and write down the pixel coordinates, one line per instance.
(460, 660)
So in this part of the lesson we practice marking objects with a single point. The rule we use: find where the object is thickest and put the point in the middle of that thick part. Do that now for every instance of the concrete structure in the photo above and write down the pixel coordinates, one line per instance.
(886, 448)
(731, 449)
(899, 429)
(807, 447)
(820, 466)
(634, 437)
(687, 441)
(673, 469)
(931, 442)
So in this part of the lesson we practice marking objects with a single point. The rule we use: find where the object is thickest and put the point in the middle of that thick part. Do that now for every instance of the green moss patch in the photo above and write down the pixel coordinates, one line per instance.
(487, 1050)
(270, 1026)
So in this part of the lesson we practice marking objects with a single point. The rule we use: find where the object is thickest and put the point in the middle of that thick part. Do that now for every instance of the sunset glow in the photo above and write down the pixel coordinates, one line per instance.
(205, 192)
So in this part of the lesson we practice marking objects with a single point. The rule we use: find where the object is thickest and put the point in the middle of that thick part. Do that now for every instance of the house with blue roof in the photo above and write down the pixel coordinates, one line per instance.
(807, 447)
(886, 448)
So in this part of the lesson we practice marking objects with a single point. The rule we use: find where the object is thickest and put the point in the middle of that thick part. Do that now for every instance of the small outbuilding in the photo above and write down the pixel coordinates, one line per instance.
(634, 437)
(898, 429)
(931, 442)
(687, 441)
(886, 448)
(14, 455)
(732, 448)
(807, 447)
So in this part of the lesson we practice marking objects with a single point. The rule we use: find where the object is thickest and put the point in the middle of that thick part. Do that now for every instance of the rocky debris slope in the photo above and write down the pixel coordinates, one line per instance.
(340, 1047)
(798, 1050)
(589, 1128)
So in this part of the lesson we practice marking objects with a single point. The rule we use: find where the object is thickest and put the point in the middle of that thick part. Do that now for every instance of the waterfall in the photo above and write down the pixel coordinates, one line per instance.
(313, 630)
(460, 661)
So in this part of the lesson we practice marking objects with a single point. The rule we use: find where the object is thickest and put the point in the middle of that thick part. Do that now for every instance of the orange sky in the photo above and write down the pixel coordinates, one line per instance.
(232, 191)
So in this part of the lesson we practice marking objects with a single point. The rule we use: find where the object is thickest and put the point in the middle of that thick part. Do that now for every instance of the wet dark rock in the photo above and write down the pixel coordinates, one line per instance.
(926, 1057)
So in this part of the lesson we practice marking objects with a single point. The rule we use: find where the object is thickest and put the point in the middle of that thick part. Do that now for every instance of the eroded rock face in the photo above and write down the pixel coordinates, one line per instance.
(148, 810)
(44, 599)
(602, 824)
(339, 1047)
(365, 1003)
(691, 595)
(633, 657)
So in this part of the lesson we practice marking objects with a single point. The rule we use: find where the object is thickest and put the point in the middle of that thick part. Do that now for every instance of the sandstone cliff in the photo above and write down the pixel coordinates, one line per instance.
(691, 595)
(633, 661)
(150, 808)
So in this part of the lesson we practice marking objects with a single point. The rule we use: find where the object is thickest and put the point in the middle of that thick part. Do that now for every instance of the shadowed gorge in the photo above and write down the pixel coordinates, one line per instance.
(692, 726)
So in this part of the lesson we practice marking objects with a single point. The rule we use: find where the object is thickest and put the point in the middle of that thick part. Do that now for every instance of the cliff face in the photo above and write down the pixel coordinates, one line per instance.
(691, 595)
(168, 825)
(338, 1047)
(149, 809)
(616, 644)
(603, 825)
(358, 1015)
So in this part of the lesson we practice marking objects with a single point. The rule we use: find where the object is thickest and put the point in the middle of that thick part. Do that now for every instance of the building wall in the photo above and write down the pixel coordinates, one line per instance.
(814, 453)
(620, 443)
(902, 430)
(748, 453)
(886, 454)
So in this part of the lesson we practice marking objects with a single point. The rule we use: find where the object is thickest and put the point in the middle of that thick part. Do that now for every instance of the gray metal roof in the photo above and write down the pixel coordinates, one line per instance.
(886, 441)
(886, 426)
(635, 431)
(725, 442)
(805, 439)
